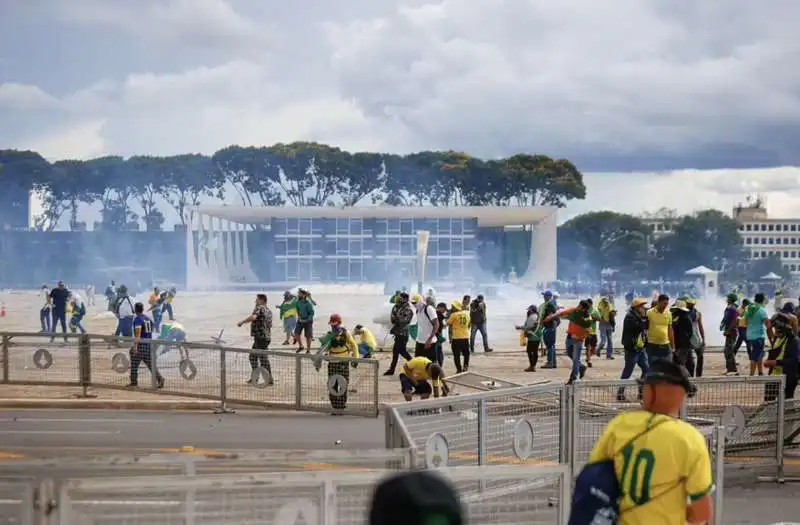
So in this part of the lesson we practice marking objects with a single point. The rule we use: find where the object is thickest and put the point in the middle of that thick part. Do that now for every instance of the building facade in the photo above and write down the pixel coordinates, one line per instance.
(370, 244)
(763, 236)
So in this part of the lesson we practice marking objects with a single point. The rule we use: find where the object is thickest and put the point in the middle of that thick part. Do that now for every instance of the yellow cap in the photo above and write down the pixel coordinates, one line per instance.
(455, 306)
(416, 298)
(639, 301)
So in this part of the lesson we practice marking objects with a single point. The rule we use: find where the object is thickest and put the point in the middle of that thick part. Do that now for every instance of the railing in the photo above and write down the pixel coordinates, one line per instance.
(221, 373)
(511, 495)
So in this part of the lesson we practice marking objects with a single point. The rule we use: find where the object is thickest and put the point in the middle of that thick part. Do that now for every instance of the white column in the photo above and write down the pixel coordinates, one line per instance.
(191, 258)
(229, 266)
(543, 262)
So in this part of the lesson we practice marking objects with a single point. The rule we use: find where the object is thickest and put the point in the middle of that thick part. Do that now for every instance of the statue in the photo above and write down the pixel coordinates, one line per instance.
(512, 275)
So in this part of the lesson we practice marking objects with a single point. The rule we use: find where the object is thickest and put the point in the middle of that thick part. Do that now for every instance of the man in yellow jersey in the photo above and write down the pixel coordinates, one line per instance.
(423, 377)
(366, 341)
(339, 343)
(458, 330)
(662, 464)
(742, 326)
(660, 339)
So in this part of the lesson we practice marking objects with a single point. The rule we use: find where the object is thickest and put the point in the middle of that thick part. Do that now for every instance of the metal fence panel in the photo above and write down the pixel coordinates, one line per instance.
(264, 378)
(494, 494)
(523, 425)
(17, 501)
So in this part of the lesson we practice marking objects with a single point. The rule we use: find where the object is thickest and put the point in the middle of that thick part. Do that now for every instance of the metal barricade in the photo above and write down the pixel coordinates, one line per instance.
(523, 425)
(492, 494)
(232, 376)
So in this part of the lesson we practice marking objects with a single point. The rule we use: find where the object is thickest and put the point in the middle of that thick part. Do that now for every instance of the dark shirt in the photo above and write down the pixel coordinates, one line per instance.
(401, 317)
(682, 329)
(305, 310)
(477, 312)
(548, 309)
(145, 324)
(633, 327)
(440, 317)
(730, 320)
(261, 327)
(59, 298)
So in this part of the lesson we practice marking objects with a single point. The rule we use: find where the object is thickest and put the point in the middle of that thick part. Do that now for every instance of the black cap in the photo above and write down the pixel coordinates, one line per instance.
(418, 498)
(664, 371)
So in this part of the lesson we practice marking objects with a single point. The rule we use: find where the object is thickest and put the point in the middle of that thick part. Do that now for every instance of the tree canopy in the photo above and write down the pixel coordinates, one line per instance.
(132, 192)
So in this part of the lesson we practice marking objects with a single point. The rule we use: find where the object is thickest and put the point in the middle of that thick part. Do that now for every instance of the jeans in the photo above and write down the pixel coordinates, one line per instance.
(440, 353)
(574, 350)
(532, 349)
(59, 317)
(168, 310)
(730, 352)
(549, 340)
(634, 358)
(158, 315)
(124, 327)
(75, 324)
(606, 339)
(655, 352)
(741, 338)
(474, 329)
(44, 319)
(364, 350)
(701, 351)
(399, 349)
(685, 357)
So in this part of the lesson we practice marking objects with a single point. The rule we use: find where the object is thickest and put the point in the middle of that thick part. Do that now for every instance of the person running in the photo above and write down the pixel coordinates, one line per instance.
(77, 314)
(260, 321)
(742, 329)
(477, 323)
(661, 463)
(458, 332)
(729, 326)
(533, 336)
(660, 338)
(422, 377)
(546, 310)
(634, 327)
(757, 326)
(401, 317)
(580, 321)
(141, 351)
(608, 321)
(784, 358)
(591, 339)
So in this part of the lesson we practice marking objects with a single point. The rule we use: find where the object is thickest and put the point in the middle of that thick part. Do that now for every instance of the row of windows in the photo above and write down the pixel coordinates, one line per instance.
(783, 254)
(769, 227)
(369, 246)
(352, 269)
(772, 240)
(357, 226)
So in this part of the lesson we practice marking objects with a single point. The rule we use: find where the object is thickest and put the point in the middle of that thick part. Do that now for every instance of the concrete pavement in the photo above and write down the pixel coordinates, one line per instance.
(54, 432)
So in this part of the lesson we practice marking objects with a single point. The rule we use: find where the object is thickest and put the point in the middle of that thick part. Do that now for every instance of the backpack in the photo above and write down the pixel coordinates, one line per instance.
(595, 499)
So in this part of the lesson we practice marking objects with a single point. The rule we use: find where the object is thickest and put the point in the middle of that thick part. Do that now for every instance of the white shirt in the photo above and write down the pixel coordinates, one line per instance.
(125, 307)
(424, 324)
(45, 295)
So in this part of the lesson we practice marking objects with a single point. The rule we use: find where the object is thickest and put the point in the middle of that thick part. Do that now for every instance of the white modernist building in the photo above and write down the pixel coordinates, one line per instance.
(763, 236)
(218, 251)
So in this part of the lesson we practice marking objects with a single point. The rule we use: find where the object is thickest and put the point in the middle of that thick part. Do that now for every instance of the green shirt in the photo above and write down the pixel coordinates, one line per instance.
(288, 309)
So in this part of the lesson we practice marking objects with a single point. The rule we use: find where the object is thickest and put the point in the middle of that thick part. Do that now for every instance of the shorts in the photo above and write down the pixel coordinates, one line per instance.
(755, 350)
(306, 327)
(409, 387)
(421, 351)
(289, 325)
(591, 341)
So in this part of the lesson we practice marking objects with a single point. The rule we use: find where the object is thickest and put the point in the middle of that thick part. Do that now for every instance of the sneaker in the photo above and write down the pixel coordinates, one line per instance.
(589, 364)
(549, 366)
(610, 357)
(488, 350)
(621, 397)
(582, 372)
(530, 369)
(160, 383)
(132, 385)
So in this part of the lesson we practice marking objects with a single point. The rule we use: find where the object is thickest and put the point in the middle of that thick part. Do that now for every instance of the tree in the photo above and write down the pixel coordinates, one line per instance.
(147, 184)
(188, 178)
(538, 180)
(253, 173)
(69, 183)
(709, 238)
(605, 240)
(771, 264)
(23, 172)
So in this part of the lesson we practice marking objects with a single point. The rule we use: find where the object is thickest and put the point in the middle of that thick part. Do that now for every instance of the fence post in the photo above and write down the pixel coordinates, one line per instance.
(563, 423)
(573, 424)
(298, 381)
(482, 429)
(376, 387)
(85, 365)
(719, 474)
(389, 432)
(154, 365)
(223, 385)
(6, 344)
(781, 426)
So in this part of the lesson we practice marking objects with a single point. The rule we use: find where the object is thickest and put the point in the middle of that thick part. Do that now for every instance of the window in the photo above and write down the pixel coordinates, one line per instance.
(318, 245)
(763, 254)
(771, 240)
(406, 247)
(748, 227)
(763, 227)
(305, 247)
(444, 268)
(755, 255)
(291, 270)
(279, 226)
(356, 270)
(794, 255)
(794, 240)
(381, 227)
(342, 226)
(747, 240)
(794, 227)
(292, 226)
(433, 246)
(785, 255)
(393, 226)
(457, 226)
(457, 247)
(786, 227)
(444, 246)
(445, 226)
(292, 246)
(342, 270)
(771, 227)
(356, 248)
(356, 227)
(406, 226)
(380, 247)
(319, 226)
(741, 228)
(304, 226)
(368, 245)
(280, 246)
(786, 240)
(342, 246)
(470, 225)
(304, 270)
(794, 267)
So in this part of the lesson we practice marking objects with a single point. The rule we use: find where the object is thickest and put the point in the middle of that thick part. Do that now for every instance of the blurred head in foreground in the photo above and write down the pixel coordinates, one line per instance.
(415, 498)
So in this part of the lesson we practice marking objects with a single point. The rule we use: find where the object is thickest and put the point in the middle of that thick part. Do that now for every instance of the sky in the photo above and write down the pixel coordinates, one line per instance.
(659, 102)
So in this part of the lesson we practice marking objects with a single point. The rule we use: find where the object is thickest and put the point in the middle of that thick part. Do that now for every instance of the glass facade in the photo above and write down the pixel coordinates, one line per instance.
(355, 249)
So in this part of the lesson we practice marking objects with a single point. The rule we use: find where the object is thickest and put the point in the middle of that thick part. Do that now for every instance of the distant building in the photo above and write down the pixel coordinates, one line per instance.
(15, 208)
(763, 236)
